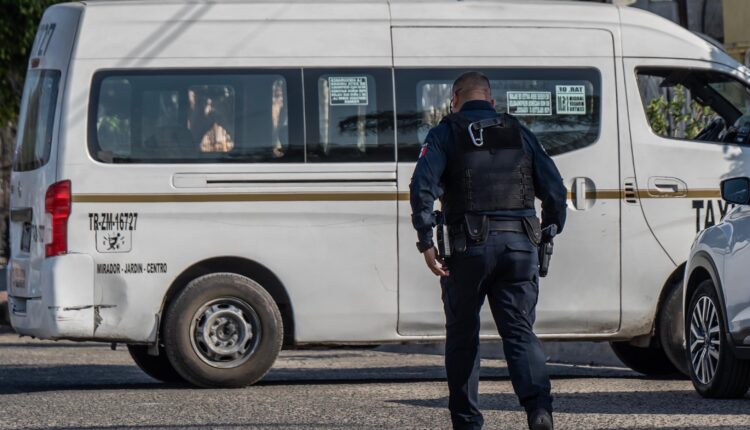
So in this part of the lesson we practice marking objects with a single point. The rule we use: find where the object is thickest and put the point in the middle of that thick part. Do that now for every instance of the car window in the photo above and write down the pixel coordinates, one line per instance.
(561, 106)
(693, 104)
(185, 117)
(36, 122)
(349, 115)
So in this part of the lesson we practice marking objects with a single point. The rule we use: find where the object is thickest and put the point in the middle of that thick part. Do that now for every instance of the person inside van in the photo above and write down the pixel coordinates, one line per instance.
(207, 118)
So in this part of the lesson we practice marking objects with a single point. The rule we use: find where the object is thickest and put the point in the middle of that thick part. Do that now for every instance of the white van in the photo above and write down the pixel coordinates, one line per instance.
(206, 181)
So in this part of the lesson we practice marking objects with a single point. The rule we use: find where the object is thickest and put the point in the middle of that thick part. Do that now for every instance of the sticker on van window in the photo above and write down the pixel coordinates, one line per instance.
(43, 38)
(348, 90)
(529, 103)
(571, 99)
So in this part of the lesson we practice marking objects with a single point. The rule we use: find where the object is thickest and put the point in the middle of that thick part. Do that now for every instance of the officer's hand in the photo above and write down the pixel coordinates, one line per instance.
(435, 263)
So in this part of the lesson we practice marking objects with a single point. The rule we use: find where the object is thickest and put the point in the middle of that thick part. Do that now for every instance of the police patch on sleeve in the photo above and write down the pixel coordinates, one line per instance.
(423, 151)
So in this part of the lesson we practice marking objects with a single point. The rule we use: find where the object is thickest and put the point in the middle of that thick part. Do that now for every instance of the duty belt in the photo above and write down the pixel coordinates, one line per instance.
(511, 225)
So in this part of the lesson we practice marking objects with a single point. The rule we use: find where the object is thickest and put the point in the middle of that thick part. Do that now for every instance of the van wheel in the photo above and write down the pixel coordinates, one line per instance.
(671, 328)
(157, 367)
(715, 371)
(223, 330)
(649, 361)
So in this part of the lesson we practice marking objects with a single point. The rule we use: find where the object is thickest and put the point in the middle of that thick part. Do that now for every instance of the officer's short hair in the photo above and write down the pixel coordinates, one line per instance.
(471, 81)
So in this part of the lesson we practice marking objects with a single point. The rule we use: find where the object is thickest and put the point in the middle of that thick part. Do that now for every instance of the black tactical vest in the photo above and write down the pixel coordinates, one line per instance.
(496, 176)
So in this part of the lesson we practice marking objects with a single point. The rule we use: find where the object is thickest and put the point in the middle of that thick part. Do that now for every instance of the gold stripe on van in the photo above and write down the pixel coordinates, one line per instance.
(344, 197)
(704, 194)
(245, 197)
(650, 194)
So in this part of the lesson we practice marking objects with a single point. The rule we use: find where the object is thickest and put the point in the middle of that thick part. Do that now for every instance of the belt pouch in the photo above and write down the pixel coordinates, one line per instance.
(533, 229)
(457, 239)
(477, 227)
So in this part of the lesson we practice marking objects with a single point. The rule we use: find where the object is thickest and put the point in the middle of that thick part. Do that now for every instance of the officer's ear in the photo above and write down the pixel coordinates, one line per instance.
(454, 102)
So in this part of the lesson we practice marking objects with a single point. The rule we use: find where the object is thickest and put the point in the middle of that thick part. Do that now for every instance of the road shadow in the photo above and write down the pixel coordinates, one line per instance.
(17, 379)
(666, 402)
(208, 426)
(31, 378)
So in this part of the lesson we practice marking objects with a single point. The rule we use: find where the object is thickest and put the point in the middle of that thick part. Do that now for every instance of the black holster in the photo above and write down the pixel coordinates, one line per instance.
(546, 248)
(442, 236)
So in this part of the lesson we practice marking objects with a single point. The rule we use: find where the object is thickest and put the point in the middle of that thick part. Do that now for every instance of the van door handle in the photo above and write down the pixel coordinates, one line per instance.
(582, 193)
(659, 186)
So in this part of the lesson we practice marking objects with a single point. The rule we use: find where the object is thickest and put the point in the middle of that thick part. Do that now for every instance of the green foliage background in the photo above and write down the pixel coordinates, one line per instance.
(678, 117)
(18, 23)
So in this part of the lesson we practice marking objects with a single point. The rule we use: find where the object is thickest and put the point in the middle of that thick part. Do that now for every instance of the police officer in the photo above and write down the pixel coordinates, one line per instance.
(487, 169)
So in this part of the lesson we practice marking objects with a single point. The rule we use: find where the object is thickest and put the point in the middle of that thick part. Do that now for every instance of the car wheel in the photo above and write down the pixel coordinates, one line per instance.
(223, 330)
(651, 361)
(155, 366)
(671, 329)
(715, 371)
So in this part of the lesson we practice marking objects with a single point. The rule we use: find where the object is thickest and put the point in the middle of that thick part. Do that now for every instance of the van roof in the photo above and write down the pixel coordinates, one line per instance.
(113, 29)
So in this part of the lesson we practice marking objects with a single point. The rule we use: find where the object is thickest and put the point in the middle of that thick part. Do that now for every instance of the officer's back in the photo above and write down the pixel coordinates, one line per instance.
(487, 169)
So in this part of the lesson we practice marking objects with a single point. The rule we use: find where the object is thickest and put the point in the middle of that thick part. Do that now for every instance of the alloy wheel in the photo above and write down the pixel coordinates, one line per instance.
(705, 341)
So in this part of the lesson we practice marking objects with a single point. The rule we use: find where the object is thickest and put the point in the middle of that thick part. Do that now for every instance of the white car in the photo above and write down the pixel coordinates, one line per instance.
(717, 300)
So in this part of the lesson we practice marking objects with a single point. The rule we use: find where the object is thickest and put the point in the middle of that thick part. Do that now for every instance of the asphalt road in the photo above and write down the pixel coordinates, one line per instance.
(88, 386)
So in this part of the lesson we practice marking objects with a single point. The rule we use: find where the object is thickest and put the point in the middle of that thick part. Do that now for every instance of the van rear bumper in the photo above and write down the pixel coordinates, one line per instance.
(65, 309)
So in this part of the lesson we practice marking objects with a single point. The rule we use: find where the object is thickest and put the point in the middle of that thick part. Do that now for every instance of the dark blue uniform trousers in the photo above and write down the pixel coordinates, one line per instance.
(505, 270)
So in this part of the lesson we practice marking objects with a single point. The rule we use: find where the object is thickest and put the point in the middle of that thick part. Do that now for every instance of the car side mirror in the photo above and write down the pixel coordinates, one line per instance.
(736, 190)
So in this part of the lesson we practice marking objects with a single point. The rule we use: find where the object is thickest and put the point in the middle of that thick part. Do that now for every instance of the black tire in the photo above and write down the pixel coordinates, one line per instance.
(157, 367)
(671, 330)
(731, 376)
(223, 330)
(650, 361)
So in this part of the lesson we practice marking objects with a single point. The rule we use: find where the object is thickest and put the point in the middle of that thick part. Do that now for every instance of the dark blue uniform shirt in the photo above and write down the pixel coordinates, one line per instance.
(426, 184)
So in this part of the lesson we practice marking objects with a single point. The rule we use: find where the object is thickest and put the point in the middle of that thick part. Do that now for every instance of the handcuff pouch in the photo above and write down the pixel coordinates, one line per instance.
(477, 228)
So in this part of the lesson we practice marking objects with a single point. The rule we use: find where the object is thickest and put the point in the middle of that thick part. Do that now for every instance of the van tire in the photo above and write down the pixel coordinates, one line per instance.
(223, 330)
(731, 378)
(671, 329)
(157, 367)
(650, 361)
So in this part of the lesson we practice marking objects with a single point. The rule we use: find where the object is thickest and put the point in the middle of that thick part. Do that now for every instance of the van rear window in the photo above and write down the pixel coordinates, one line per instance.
(178, 117)
(36, 122)
(561, 106)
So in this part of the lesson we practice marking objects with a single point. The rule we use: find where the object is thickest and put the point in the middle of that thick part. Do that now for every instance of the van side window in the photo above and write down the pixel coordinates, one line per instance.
(693, 104)
(36, 122)
(561, 106)
(349, 115)
(161, 117)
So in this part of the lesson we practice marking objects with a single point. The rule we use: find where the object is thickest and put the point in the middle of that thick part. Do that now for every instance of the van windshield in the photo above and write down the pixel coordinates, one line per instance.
(36, 122)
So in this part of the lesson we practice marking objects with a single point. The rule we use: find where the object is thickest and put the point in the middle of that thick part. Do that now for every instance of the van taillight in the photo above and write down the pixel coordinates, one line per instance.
(57, 205)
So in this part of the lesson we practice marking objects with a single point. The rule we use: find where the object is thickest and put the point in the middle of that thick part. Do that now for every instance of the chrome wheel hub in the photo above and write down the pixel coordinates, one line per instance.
(225, 332)
(704, 339)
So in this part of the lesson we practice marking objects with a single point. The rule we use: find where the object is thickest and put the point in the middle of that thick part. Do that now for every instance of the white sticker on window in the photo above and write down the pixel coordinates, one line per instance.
(571, 99)
(529, 103)
(348, 90)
